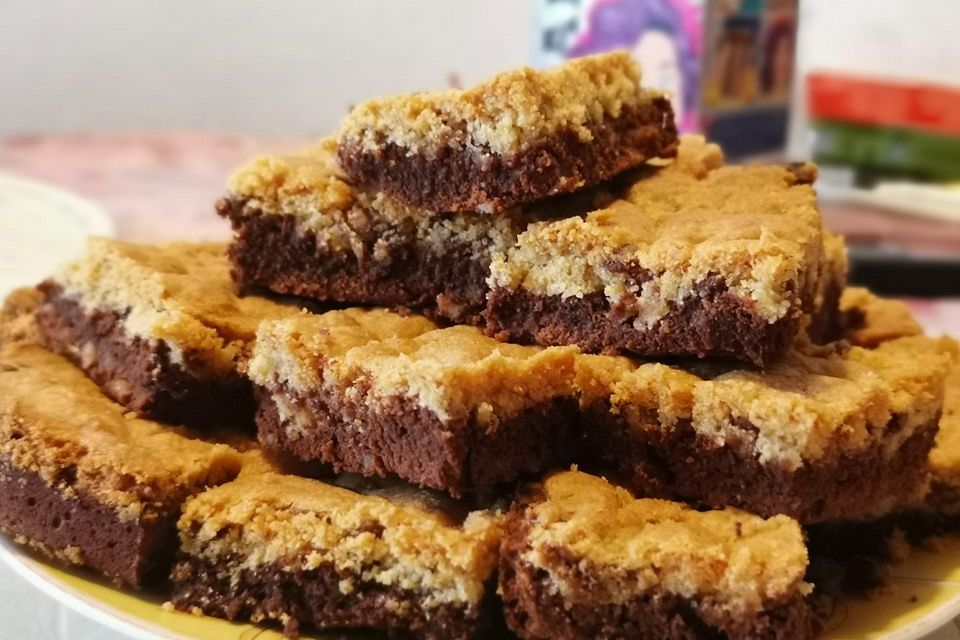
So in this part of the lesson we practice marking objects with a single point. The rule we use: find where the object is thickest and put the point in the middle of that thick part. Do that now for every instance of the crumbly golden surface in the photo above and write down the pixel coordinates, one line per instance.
(882, 318)
(16, 316)
(945, 456)
(454, 372)
(304, 185)
(692, 219)
(630, 547)
(299, 351)
(178, 293)
(812, 404)
(915, 368)
(311, 188)
(649, 389)
(57, 423)
(459, 371)
(506, 114)
(303, 524)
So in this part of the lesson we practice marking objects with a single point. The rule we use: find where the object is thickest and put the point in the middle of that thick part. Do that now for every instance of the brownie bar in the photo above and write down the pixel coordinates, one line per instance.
(449, 409)
(301, 552)
(826, 433)
(869, 321)
(158, 328)
(696, 259)
(301, 228)
(83, 482)
(520, 137)
(583, 559)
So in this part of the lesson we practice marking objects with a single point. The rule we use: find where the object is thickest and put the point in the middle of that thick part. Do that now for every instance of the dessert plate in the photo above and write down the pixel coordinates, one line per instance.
(40, 227)
(923, 601)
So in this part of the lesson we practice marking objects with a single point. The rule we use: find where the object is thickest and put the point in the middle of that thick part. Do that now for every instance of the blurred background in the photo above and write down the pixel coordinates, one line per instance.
(145, 106)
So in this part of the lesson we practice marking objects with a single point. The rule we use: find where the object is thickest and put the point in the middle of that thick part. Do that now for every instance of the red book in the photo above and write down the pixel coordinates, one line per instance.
(873, 101)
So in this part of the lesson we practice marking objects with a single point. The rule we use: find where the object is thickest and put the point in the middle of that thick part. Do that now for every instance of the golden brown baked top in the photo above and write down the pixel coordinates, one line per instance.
(753, 226)
(306, 185)
(879, 319)
(459, 371)
(915, 369)
(815, 402)
(815, 405)
(56, 422)
(304, 524)
(178, 293)
(299, 351)
(504, 115)
(628, 546)
(453, 372)
(16, 316)
(661, 391)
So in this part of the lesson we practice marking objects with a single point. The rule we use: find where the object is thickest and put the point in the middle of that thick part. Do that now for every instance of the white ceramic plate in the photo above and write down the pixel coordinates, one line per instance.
(923, 599)
(40, 228)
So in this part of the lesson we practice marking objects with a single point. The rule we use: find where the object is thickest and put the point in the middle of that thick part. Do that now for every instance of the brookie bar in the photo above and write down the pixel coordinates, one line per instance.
(449, 409)
(302, 552)
(84, 482)
(825, 433)
(870, 321)
(696, 259)
(519, 137)
(583, 559)
(158, 327)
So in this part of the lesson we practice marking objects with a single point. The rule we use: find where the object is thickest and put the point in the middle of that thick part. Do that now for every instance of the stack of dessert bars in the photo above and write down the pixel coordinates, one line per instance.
(510, 360)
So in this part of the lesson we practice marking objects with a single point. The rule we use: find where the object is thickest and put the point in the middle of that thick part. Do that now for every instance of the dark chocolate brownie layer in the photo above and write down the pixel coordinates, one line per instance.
(402, 438)
(314, 597)
(713, 322)
(679, 465)
(79, 529)
(137, 374)
(466, 179)
(535, 610)
(270, 252)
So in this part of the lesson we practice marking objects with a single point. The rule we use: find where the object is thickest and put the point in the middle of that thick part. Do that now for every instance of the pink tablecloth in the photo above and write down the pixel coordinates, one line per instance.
(155, 186)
